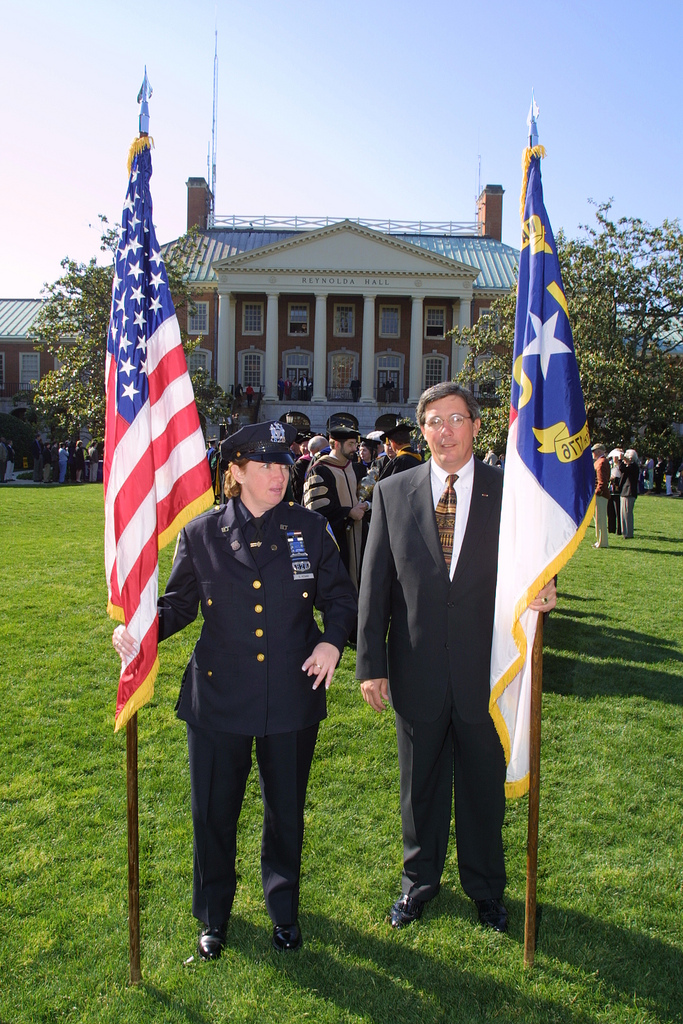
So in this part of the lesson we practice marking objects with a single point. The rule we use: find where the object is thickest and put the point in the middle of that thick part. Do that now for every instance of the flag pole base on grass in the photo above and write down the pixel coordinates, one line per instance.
(133, 852)
(534, 795)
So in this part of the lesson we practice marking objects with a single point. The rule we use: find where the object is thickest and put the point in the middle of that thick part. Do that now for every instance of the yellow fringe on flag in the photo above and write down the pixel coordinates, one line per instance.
(520, 787)
(189, 512)
(144, 693)
(115, 612)
(137, 146)
(527, 156)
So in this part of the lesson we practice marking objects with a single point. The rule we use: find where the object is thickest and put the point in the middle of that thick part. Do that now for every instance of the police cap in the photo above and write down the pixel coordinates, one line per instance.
(260, 442)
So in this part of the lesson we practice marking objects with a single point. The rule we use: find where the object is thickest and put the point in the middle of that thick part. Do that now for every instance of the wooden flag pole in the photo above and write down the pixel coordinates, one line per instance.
(133, 851)
(534, 794)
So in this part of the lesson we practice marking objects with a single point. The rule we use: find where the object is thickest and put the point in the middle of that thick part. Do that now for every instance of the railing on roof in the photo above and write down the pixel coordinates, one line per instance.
(390, 227)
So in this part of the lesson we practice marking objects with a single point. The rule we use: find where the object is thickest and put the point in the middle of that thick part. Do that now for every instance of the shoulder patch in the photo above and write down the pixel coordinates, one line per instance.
(329, 530)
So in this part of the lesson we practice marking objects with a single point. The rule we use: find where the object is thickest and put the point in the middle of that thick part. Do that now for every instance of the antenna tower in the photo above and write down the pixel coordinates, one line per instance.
(212, 211)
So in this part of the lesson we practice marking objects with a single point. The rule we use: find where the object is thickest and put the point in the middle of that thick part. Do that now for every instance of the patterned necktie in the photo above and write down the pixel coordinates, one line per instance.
(445, 518)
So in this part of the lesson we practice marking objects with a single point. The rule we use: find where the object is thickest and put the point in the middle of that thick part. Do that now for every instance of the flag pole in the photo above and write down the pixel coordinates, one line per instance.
(534, 794)
(133, 849)
(132, 732)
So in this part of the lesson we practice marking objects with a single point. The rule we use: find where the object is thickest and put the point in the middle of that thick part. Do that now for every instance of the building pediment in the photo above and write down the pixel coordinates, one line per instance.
(345, 249)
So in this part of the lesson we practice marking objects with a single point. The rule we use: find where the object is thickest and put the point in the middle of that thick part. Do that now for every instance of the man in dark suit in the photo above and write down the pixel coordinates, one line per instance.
(430, 580)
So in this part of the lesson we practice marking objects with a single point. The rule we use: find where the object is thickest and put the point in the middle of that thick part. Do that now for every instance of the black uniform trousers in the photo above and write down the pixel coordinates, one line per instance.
(434, 757)
(219, 766)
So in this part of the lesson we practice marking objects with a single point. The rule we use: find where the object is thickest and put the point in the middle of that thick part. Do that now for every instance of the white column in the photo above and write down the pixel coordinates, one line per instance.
(271, 348)
(320, 350)
(367, 359)
(225, 357)
(459, 352)
(416, 331)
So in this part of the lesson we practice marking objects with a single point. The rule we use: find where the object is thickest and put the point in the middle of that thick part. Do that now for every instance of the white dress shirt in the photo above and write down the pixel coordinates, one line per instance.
(463, 492)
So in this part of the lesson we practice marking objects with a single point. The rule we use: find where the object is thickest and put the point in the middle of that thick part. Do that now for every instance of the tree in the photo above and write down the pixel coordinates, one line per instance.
(73, 326)
(213, 404)
(624, 288)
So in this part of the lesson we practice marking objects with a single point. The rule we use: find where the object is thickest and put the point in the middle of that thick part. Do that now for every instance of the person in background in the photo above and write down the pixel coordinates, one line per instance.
(257, 567)
(404, 457)
(629, 491)
(3, 459)
(47, 464)
(331, 488)
(63, 456)
(94, 459)
(79, 461)
(9, 472)
(601, 467)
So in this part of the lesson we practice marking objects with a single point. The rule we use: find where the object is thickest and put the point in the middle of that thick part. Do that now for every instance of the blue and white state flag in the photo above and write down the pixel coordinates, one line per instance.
(548, 487)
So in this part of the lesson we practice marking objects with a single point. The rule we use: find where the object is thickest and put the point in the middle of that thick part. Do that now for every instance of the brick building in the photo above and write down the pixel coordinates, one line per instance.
(362, 310)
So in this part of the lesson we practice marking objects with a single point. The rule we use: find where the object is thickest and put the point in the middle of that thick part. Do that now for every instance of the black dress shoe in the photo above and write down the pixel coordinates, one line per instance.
(211, 942)
(405, 911)
(493, 914)
(287, 937)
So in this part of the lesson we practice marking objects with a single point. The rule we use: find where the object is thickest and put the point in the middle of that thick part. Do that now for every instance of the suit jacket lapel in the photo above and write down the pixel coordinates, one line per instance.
(421, 505)
(481, 507)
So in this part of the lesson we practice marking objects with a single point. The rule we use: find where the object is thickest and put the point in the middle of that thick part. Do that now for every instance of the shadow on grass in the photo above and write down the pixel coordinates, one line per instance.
(620, 659)
(389, 978)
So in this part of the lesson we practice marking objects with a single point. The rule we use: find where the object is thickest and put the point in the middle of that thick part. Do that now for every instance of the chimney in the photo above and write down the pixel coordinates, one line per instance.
(490, 211)
(198, 203)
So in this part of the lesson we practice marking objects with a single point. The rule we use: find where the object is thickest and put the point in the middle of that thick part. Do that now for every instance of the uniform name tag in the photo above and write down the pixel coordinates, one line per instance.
(301, 566)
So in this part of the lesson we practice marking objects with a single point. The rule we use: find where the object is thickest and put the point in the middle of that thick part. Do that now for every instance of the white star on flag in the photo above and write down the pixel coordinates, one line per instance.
(545, 344)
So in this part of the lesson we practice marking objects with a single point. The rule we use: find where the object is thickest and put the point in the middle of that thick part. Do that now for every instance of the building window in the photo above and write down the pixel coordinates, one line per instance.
(29, 368)
(297, 365)
(200, 359)
(198, 322)
(434, 371)
(2, 370)
(252, 368)
(298, 318)
(343, 321)
(389, 321)
(388, 369)
(435, 322)
(252, 318)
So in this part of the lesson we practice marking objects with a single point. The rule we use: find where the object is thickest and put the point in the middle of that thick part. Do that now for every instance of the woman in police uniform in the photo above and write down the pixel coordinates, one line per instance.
(257, 566)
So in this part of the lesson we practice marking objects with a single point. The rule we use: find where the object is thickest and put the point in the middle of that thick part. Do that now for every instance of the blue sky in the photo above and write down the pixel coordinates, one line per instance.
(363, 108)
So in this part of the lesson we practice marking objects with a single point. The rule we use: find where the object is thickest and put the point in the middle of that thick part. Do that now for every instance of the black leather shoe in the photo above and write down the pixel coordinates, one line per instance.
(287, 937)
(405, 911)
(211, 942)
(493, 914)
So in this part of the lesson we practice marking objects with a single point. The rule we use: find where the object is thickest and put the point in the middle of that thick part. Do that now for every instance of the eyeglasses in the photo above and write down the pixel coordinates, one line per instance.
(454, 421)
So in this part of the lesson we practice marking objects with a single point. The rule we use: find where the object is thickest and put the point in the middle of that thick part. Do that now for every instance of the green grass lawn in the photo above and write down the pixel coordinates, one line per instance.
(610, 943)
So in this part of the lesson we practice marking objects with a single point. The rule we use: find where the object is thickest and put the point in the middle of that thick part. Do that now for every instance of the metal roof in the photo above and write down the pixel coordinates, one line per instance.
(497, 262)
(17, 316)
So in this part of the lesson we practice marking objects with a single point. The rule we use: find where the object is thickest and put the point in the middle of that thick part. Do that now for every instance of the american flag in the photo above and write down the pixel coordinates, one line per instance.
(156, 476)
(548, 484)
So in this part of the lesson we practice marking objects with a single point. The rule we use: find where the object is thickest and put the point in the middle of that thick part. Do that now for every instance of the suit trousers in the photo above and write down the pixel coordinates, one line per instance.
(219, 767)
(601, 534)
(627, 516)
(434, 758)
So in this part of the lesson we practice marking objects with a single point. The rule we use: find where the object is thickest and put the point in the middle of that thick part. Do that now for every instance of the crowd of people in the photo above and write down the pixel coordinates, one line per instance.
(68, 462)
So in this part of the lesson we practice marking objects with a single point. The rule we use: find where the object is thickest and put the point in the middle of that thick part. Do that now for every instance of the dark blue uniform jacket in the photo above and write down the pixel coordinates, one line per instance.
(245, 675)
